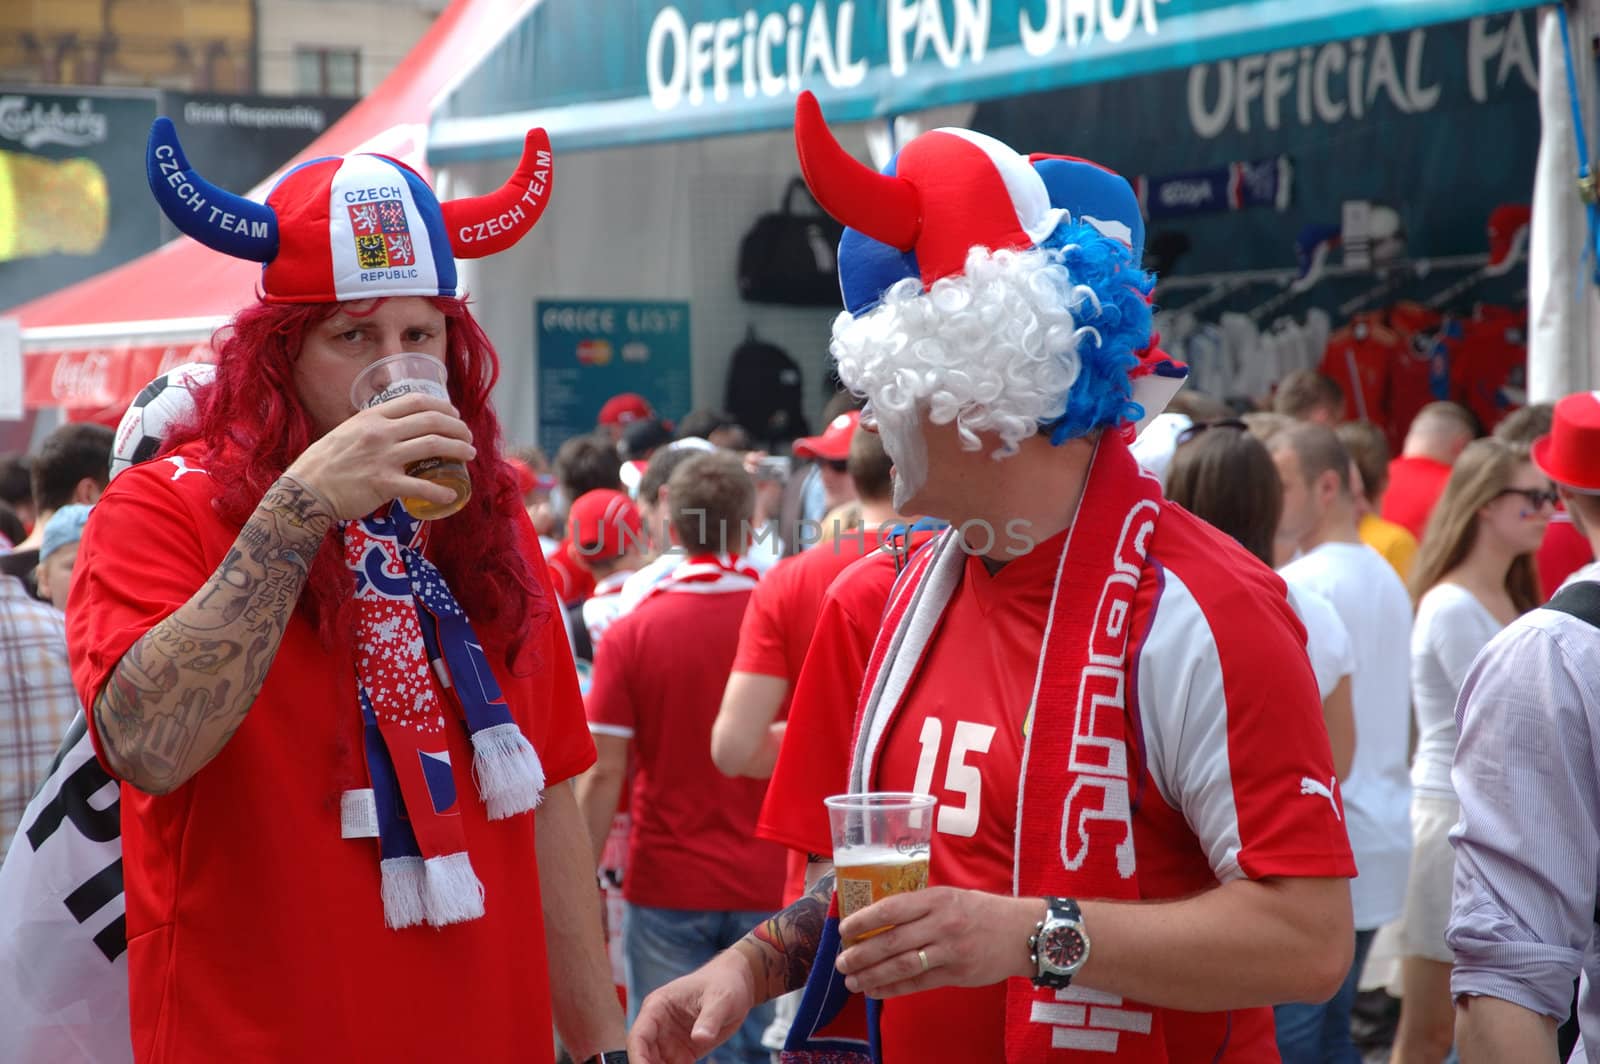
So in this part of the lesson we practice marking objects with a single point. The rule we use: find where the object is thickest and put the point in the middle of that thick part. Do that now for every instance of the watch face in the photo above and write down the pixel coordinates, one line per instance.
(1062, 948)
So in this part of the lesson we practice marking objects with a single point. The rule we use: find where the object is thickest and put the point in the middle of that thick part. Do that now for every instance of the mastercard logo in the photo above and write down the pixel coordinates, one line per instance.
(594, 352)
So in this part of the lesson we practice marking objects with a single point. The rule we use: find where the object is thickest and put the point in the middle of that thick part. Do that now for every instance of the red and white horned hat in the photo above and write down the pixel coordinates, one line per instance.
(354, 227)
(951, 191)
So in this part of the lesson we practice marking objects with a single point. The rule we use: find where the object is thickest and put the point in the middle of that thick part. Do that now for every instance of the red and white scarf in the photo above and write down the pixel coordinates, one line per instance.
(1074, 833)
(707, 574)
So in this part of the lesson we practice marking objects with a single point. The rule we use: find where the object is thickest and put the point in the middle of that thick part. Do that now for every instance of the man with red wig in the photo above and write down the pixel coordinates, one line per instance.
(1138, 844)
(343, 733)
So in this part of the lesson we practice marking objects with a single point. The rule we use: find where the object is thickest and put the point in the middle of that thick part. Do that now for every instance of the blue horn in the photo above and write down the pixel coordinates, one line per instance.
(218, 219)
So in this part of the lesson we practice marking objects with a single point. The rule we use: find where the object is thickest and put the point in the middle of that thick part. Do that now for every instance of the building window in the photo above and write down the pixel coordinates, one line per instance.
(327, 71)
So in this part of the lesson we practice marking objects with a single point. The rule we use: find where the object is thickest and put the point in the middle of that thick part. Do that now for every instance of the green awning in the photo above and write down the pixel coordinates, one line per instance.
(606, 74)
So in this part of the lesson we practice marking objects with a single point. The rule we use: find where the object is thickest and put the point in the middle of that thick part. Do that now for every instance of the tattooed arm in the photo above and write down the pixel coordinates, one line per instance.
(180, 692)
(781, 950)
(691, 1016)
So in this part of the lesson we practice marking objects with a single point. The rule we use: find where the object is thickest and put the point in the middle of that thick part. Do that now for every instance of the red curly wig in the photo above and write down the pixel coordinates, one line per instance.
(254, 427)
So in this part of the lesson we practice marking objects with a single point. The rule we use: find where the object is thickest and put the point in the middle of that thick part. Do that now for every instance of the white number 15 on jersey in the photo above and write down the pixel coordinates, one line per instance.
(960, 778)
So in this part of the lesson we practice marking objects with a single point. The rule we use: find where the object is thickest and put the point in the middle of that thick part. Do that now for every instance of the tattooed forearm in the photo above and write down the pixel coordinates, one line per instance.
(179, 693)
(787, 943)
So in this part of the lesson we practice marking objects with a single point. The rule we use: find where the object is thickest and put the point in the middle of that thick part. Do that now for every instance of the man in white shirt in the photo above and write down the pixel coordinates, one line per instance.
(1320, 519)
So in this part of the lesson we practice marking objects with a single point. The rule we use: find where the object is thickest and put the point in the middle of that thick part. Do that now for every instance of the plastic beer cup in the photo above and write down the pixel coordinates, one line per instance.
(881, 843)
(402, 374)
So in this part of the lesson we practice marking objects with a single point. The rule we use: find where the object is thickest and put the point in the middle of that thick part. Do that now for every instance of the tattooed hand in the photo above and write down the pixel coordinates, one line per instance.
(687, 1018)
(361, 464)
(179, 693)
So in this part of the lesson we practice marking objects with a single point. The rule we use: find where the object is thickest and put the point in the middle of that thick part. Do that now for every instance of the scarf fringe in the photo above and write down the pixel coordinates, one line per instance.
(507, 770)
(402, 892)
(451, 893)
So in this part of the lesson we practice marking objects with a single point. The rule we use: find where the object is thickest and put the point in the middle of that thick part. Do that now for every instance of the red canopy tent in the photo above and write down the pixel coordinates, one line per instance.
(91, 346)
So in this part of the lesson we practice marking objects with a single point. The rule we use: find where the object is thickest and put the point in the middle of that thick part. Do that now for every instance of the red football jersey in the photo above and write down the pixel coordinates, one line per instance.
(783, 611)
(658, 680)
(1225, 724)
(255, 931)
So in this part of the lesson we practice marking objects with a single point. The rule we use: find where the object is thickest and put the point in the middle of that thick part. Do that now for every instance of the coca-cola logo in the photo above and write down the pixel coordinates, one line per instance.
(81, 381)
(33, 124)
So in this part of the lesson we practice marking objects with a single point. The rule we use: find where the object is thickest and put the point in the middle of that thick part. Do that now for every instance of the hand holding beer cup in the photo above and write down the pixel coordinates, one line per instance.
(406, 374)
(881, 844)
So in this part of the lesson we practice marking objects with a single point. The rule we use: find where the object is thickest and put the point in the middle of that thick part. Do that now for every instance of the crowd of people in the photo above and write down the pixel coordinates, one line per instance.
(1222, 708)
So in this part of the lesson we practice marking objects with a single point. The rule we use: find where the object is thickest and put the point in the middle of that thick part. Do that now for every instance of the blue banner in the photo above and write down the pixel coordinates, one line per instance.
(590, 350)
(598, 75)
(1441, 124)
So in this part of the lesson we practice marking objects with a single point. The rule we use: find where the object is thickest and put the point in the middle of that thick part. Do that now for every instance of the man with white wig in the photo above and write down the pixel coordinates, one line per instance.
(1138, 845)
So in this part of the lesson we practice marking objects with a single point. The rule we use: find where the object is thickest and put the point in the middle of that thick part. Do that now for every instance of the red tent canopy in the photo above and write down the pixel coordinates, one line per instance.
(92, 345)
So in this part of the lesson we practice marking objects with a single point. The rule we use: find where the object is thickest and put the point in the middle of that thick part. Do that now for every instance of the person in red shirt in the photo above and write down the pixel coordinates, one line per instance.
(782, 618)
(697, 876)
(1417, 478)
(335, 725)
(1182, 800)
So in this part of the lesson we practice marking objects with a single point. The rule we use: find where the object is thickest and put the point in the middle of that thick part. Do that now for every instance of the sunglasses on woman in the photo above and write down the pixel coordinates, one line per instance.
(1200, 426)
(1536, 498)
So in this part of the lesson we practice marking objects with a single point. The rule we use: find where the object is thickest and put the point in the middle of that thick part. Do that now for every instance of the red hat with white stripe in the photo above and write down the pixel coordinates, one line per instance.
(1570, 453)
(348, 228)
(834, 443)
(604, 523)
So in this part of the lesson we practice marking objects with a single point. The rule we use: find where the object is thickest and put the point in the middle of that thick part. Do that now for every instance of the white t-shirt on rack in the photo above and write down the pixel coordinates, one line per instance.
(1369, 598)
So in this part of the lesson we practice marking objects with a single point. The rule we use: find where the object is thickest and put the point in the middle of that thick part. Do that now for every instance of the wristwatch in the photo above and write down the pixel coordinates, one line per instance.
(1059, 944)
(616, 1056)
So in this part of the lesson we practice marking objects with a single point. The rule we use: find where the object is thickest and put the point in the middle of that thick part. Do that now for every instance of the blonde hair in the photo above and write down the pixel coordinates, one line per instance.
(846, 517)
(1483, 470)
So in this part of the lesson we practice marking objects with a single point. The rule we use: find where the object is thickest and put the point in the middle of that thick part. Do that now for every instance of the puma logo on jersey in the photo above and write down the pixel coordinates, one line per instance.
(181, 466)
(1311, 786)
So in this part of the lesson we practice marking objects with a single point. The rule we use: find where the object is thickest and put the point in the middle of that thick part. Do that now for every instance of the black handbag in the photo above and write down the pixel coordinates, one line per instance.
(791, 257)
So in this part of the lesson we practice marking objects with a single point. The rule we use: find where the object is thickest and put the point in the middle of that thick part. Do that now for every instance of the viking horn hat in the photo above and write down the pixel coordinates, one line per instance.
(353, 227)
(951, 190)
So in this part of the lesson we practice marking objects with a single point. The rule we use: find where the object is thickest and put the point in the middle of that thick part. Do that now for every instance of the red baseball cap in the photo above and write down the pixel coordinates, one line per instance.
(1570, 453)
(834, 443)
(621, 409)
(604, 523)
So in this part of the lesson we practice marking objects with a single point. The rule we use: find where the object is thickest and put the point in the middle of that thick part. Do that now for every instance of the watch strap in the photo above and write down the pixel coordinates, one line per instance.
(615, 1056)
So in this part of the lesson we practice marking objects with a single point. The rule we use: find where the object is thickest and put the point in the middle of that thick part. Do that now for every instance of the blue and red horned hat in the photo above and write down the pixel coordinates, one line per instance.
(951, 190)
(347, 228)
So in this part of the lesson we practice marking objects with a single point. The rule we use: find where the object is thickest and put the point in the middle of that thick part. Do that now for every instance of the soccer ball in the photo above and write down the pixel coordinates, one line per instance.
(158, 406)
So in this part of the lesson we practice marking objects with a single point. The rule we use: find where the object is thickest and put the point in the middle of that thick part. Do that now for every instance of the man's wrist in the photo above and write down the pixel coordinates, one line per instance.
(1026, 914)
(614, 1056)
(754, 967)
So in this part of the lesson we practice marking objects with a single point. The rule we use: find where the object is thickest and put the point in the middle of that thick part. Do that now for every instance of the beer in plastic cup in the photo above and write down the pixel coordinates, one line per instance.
(881, 842)
(402, 374)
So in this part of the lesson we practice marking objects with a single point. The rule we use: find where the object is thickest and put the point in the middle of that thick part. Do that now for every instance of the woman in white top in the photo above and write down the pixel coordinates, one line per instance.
(1224, 476)
(1473, 576)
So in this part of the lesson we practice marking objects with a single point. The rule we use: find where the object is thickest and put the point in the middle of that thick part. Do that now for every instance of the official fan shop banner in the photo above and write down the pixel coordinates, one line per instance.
(601, 75)
(1440, 123)
(73, 200)
(63, 936)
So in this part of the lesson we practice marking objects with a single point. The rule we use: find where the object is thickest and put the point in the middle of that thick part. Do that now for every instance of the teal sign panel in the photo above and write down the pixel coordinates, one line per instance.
(590, 350)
